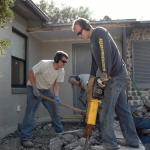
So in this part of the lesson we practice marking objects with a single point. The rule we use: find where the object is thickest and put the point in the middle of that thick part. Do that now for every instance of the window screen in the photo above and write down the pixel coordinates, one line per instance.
(141, 63)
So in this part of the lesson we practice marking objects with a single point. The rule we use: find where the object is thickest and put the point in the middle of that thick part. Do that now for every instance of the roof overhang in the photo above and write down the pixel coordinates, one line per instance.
(63, 32)
(28, 10)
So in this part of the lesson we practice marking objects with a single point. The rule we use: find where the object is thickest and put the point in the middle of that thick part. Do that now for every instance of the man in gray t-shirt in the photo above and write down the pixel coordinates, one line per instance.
(81, 81)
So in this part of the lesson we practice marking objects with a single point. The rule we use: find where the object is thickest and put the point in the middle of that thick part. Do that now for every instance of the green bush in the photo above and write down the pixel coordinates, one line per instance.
(6, 15)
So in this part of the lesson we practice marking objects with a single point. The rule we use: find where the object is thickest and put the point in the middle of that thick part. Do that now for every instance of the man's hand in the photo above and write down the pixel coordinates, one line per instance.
(36, 92)
(101, 83)
(57, 99)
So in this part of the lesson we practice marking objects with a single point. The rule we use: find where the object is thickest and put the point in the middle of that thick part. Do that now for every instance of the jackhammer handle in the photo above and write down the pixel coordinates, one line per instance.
(65, 105)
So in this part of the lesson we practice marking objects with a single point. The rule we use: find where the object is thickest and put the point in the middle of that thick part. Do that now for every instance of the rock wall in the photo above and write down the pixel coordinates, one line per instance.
(135, 96)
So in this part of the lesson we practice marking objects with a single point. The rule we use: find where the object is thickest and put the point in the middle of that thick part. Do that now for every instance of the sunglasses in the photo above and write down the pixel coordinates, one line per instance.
(80, 32)
(63, 61)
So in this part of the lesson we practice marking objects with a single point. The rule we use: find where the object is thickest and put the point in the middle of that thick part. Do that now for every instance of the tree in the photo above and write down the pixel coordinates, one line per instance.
(107, 18)
(66, 14)
(6, 16)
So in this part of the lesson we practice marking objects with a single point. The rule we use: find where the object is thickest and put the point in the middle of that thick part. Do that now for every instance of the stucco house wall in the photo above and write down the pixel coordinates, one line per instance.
(9, 101)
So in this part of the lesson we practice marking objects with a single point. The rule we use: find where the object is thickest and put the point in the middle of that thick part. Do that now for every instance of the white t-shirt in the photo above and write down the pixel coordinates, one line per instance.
(46, 75)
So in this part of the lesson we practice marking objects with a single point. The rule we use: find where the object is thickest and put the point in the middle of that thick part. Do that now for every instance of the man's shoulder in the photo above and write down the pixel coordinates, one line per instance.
(47, 61)
(84, 76)
(100, 29)
(99, 32)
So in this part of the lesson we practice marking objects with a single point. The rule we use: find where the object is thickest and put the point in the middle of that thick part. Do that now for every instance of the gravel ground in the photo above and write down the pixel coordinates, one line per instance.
(43, 134)
(41, 137)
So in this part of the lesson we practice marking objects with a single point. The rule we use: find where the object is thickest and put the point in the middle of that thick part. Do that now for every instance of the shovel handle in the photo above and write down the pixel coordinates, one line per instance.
(65, 105)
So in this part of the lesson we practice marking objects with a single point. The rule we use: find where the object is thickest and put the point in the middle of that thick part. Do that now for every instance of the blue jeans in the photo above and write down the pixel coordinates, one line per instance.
(32, 105)
(142, 123)
(115, 100)
(83, 98)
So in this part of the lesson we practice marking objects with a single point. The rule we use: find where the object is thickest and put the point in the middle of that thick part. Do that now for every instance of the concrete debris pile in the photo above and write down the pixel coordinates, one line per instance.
(141, 108)
(74, 141)
(45, 138)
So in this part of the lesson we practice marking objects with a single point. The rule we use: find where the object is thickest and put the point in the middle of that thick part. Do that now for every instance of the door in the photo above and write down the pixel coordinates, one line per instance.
(81, 58)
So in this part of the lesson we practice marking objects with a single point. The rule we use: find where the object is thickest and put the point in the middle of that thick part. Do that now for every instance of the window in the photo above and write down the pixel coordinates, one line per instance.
(141, 63)
(18, 72)
(18, 59)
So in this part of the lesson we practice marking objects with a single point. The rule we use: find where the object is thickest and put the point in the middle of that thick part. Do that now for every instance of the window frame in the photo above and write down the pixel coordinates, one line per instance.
(22, 35)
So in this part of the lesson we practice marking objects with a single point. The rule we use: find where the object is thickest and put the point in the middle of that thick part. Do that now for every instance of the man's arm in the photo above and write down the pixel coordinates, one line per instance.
(105, 48)
(35, 70)
(56, 88)
(32, 77)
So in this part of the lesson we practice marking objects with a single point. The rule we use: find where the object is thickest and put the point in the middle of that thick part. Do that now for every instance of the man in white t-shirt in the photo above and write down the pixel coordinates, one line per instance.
(80, 81)
(44, 78)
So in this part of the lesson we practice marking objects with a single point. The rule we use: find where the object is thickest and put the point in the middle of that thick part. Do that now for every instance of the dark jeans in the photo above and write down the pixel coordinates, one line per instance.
(83, 98)
(115, 100)
(32, 105)
(142, 123)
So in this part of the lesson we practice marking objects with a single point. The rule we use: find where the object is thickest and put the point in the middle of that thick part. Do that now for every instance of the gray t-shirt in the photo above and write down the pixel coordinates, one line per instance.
(84, 79)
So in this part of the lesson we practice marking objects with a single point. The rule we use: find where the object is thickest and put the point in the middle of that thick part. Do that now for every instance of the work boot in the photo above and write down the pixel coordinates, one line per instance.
(124, 143)
(27, 143)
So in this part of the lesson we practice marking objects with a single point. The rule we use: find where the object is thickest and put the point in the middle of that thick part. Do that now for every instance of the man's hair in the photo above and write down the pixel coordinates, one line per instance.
(58, 56)
(83, 23)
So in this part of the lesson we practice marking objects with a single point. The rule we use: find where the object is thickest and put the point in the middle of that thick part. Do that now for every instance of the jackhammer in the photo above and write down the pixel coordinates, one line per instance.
(95, 93)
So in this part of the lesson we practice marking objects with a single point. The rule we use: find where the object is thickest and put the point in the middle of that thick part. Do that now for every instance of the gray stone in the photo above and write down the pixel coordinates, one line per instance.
(147, 103)
(82, 141)
(78, 148)
(55, 144)
(67, 138)
(71, 145)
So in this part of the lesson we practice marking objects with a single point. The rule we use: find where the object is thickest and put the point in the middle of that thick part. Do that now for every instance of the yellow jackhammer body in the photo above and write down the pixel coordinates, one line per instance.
(93, 97)
(91, 115)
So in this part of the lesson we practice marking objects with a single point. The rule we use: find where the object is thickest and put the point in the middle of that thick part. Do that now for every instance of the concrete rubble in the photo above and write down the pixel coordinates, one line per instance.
(45, 138)
(74, 141)
(141, 108)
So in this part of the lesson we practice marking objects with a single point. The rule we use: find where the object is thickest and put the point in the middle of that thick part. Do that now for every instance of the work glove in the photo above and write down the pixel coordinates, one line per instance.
(36, 92)
(98, 88)
(57, 99)
(101, 83)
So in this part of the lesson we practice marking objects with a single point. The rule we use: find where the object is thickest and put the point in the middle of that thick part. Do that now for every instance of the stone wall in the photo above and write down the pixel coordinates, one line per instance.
(137, 97)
